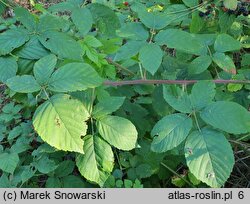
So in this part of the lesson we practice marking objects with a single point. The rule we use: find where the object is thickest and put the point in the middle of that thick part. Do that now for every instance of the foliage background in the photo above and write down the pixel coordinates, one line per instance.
(36, 164)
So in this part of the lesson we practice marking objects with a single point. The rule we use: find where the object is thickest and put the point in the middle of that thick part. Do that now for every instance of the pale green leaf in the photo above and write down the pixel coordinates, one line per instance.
(230, 4)
(224, 62)
(74, 77)
(91, 41)
(97, 162)
(44, 67)
(23, 84)
(170, 131)
(64, 121)
(209, 157)
(226, 43)
(117, 131)
(150, 56)
(8, 68)
(227, 116)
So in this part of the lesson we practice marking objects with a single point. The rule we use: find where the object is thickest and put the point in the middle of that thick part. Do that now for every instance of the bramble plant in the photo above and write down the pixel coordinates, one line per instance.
(121, 94)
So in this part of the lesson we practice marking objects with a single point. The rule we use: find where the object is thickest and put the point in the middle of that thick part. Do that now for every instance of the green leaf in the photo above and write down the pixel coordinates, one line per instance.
(181, 40)
(170, 131)
(69, 49)
(26, 18)
(8, 68)
(225, 21)
(27, 173)
(150, 56)
(133, 31)
(197, 23)
(65, 168)
(226, 43)
(53, 182)
(32, 49)
(44, 67)
(209, 157)
(230, 4)
(23, 84)
(144, 171)
(117, 131)
(64, 121)
(177, 98)
(224, 62)
(11, 39)
(62, 6)
(105, 19)
(74, 77)
(91, 41)
(97, 162)
(154, 20)
(49, 22)
(203, 92)
(191, 3)
(8, 162)
(130, 49)
(227, 116)
(107, 106)
(45, 165)
(82, 19)
(72, 181)
(199, 64)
